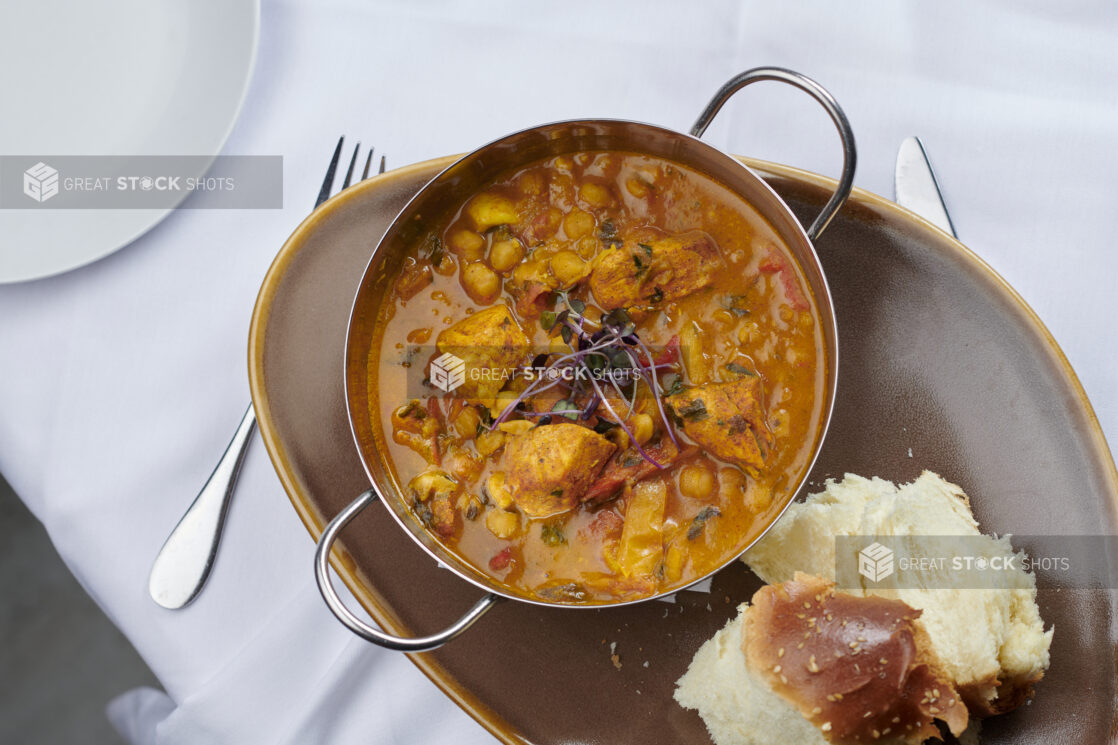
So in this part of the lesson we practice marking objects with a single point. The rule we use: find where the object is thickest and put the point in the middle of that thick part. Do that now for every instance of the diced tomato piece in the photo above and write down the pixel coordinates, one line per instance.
(669, 354)
(533, 301)
(501, 559)
(777, 262)
(629, 467)
(607, 525)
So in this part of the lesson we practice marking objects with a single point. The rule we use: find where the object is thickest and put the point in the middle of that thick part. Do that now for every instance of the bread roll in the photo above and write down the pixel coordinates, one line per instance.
(991, 642)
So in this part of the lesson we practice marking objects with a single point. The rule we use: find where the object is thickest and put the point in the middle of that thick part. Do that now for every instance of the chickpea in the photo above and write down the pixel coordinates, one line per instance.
(568, 267)
(639, 188)
(467, 244)
(642, 428)
(587, 247)
(531, 183)
(481, 283)
(433, 482)
(502, 524)
(504, 255)
(489, 210)
(724, 319)
(758, 496)
(518, 427)
(490, 442)
(696, 481)
(595, 194)
(749, 333)
(731, 484)
(578, 224)
(466, 423)
(617, 436)
(499, 490)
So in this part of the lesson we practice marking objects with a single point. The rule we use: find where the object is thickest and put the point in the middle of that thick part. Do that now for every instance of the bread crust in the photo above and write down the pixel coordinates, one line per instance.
(859, 668)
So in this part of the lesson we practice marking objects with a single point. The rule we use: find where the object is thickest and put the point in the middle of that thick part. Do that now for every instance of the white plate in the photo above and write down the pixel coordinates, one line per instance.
(113, 77)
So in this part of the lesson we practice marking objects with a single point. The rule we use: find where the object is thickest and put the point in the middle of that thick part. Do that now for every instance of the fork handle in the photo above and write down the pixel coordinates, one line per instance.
(184, 562)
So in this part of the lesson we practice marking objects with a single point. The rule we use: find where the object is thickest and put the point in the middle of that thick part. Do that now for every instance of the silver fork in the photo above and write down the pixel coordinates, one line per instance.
(184, 563)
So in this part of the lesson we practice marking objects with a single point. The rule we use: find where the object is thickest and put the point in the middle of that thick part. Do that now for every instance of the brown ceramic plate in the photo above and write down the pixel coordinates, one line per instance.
(938, 355)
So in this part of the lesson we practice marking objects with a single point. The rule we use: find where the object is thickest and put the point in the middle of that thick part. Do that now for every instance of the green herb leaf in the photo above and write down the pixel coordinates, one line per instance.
(647, 248)
(577, 305)
(695, 410)
(564, 407)
(547, 320)
(736, 304)
(656, 296)
(700, 520)
(552, 533)
(673, 383)
(604, 426)
(740, 369)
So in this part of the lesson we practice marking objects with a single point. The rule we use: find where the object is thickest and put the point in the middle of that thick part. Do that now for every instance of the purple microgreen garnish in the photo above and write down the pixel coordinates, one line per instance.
(621, 423)
(609, 349)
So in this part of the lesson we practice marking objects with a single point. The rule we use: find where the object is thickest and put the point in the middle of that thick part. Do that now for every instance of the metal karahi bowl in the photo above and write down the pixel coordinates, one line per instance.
(466, 177)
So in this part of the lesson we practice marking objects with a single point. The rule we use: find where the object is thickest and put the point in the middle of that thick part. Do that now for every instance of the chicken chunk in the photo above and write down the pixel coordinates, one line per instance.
(491, 344)
(726, 419)
(646, 272)
(549, 468)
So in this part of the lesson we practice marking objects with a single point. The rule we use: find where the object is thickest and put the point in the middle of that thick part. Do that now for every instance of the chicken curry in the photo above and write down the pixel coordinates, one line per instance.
(599, 378)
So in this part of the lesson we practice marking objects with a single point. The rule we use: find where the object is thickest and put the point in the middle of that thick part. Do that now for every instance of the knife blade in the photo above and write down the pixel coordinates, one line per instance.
(915, 186)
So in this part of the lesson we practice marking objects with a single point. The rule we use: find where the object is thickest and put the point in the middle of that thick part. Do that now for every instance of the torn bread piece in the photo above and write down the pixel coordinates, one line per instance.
(806, 665)
(991, 642)
(858, 667)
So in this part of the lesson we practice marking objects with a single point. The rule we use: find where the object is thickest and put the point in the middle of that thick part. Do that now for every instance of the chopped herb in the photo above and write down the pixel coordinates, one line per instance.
(607, 232)
(484, 413)
(552, 533)
(740, 369)
(736, 304)
(672, 383)
(695, 410)
(647, 248)
(435, 253)
(568, 591)
(631, 460)
(656, 296)
(620, 359)
(564, 407)
(422, 510)
(603, 426)
(700, 520)
(641, 268)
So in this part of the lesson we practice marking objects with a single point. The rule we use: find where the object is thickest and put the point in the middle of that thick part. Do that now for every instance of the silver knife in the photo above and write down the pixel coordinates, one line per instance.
(915, 186)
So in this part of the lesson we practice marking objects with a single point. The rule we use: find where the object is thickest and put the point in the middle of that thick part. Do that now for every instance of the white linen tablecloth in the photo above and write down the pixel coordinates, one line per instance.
(120, 383)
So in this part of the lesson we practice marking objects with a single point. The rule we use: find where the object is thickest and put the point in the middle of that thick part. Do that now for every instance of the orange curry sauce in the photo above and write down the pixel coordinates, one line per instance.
(539, 241)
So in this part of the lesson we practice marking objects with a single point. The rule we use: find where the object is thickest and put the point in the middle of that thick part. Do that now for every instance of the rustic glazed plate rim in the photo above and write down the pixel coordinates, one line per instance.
(343, 563)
